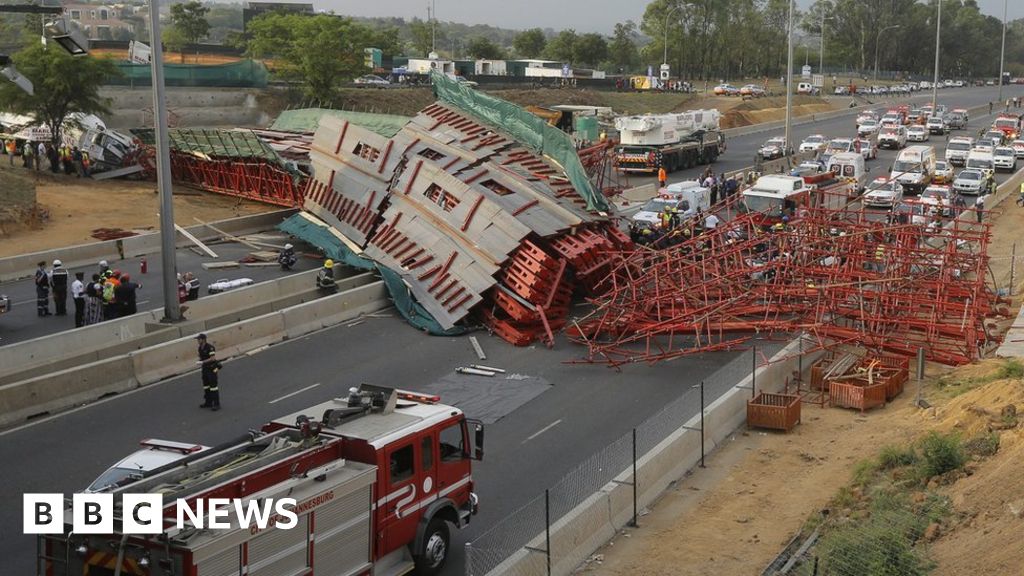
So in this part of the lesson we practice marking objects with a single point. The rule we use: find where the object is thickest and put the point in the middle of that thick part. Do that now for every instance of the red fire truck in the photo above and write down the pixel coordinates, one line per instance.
(378, 478)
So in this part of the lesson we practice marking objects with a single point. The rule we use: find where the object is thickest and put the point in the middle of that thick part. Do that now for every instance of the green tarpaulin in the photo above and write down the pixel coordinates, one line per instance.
(308, 119)
(410, 309)
(529, 129)
(242, 74)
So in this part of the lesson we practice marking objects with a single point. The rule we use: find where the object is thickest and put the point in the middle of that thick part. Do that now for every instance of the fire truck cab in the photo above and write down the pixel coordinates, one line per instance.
(378, 478)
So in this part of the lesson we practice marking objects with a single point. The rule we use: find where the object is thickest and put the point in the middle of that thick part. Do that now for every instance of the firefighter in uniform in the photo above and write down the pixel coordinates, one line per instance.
(325, 278)
(42, 290)
(210, 368)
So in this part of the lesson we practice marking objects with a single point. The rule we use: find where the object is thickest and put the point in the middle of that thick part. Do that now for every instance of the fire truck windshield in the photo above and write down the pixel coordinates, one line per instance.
(771, 207)
(1006, 123)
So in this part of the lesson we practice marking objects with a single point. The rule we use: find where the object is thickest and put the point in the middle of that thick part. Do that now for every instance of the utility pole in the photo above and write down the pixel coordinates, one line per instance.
(821, 48)
(789, 82)
(877, 38)
(432, 16)
(172, 308)
(1002, 53)
(938, 37)
(664, 56)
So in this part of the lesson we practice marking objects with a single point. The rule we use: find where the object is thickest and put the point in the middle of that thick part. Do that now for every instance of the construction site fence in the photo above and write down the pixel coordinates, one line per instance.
(528, 530)
(241, 74)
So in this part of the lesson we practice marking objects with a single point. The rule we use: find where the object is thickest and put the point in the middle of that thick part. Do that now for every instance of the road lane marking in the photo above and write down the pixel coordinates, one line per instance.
(542, 430)
(300, 391)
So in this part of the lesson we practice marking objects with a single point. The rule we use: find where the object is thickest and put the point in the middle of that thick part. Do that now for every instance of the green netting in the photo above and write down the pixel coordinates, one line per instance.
(214, 143)
(410, 309)
(525, 127)
(241, 74)
(320, 236)
(308, 119)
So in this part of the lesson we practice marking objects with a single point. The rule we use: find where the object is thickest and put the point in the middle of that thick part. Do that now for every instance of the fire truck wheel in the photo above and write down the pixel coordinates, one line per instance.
(432, 556)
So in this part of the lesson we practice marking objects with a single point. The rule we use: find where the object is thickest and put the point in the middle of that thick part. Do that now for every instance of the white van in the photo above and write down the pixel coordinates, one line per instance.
(849, 166)
(914, 167)
(981, 159)
(686, 197)
(806, 88)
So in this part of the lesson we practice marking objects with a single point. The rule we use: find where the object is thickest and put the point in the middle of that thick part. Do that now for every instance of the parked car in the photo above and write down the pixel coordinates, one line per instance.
(806, 88)
(726, 90)
(938, 198)
(865, 116)
(958, 119)
(958, 148)
(882, 193)
(911, 211)
(995, 136)
(813, 143)
(867, 128)
(1018, 148)
(894, 137)
(752, 90)
(969, 181)
(155, 454)
(867, 148)
(918, 133)
(936, 124)
(891, 119)
(773, 148)
(1005, 158)
(371, 80)
(841, 91)
(943, 173)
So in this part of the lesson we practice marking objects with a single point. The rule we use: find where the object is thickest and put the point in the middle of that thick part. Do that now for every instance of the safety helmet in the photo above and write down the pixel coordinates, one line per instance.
(57, 263)
(287, 246)
(103, 263)
(328, 264)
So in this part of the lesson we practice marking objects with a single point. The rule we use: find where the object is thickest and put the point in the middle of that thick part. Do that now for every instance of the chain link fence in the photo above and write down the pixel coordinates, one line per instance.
(525, 533)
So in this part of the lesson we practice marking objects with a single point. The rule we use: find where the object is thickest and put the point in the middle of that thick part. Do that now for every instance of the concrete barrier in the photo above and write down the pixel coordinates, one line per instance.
(24, 265)
(61, 390)
(341, 307)
(593, 522)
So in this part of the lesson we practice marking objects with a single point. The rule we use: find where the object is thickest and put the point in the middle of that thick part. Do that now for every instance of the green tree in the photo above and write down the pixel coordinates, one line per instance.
(189, 19)
(562, 46)
(622, 51)
(480, 47)
(319, 51)
(530, 43)
(590, 49)
(388, 40)
(423, 36)
(175, 41)
(62, 84)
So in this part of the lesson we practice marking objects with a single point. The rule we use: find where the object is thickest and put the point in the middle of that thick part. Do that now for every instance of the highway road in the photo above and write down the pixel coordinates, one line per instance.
(22, 323)
(541, 427)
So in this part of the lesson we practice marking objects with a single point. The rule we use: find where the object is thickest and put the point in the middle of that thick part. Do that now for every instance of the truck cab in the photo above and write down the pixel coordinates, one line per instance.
(914, 167)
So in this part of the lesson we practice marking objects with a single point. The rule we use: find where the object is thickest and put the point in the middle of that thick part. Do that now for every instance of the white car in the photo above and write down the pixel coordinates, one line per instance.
(1018, 148)
(958, 148)
(864, 117)
(813, 143)
(891, 120)
(1005, 158)
(892, 137)
(937, 125)
(773, 148)
(867, 128)
(5, 304)
(918, 134)
(371, 80)
(224, 285)
(155, 454)
(650, 213)
(969, 181)
(939, 198)
(883, 193)
(943, 173)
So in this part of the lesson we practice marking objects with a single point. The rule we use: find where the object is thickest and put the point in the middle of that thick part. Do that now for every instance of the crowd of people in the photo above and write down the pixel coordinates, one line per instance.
(108, 295)
(66, 159)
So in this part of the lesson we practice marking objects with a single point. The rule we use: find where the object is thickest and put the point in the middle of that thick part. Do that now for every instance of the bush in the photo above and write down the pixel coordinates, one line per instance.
(1011, 369)
(864, 472)
(893, 456)
(941, 453)
(984, 445)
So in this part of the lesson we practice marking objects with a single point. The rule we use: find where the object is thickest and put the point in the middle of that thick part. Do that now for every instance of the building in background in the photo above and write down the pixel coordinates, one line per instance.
(103, 21)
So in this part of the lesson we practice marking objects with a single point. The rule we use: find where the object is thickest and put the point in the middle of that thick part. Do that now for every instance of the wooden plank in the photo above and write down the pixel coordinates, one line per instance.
(196, 241)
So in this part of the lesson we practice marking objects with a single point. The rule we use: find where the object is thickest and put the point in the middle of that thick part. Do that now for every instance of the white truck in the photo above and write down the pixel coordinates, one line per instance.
(957, 150)
(913, 168)
(670, 141)
(685, 197)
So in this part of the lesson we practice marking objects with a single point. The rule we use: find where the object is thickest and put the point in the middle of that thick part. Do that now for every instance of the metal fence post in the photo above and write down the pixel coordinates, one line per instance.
(547, 527)
(635, 515)
(701, 423)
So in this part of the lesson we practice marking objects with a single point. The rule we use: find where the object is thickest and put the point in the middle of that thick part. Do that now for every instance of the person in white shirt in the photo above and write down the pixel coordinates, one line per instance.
(78, 296)
(711, 222)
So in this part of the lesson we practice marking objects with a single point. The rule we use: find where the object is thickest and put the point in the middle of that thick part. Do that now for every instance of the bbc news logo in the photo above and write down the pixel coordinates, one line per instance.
(143, 514)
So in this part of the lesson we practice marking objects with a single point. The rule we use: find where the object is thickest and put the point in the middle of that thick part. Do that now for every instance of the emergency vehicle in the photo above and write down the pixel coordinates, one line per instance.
(775, 197)
(1009, 124)
(378, 478)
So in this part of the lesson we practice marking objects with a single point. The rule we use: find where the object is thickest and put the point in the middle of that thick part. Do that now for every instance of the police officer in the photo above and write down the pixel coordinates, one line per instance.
(210, 368)
(42, 281)
(59, 284)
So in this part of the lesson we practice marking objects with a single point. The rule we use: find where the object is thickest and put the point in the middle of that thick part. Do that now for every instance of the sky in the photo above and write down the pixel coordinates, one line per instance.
(581, 15)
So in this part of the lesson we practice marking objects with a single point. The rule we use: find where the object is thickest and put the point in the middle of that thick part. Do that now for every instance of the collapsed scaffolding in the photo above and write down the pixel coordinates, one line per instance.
(842, 276)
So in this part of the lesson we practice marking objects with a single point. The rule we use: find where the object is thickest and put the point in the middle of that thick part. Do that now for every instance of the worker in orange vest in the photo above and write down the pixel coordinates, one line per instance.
(662, 177)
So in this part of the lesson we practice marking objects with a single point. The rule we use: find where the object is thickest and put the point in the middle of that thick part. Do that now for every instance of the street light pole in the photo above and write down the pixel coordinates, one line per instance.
(1002, 53)
(664, 56)
(877, 38)
(938, 37)
(172, 308)
(789, 81)
(821, 48)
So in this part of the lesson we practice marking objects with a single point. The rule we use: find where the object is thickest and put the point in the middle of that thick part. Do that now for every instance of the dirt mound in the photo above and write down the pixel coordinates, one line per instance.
(772, 110)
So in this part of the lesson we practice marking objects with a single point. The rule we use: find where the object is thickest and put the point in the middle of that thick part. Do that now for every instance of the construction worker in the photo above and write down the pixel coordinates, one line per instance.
(59, 283)
(42, 280)
(666, 217)
(979, 206)
(210, 369)
(325, 278)
(662, 177)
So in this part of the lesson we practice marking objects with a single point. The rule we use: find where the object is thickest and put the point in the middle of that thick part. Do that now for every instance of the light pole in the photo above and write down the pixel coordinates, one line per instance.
(1002, 53)
(821, 49)
(877, 38)
(172, 308)
(664, 56)
(938, 36)
(789, 80)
